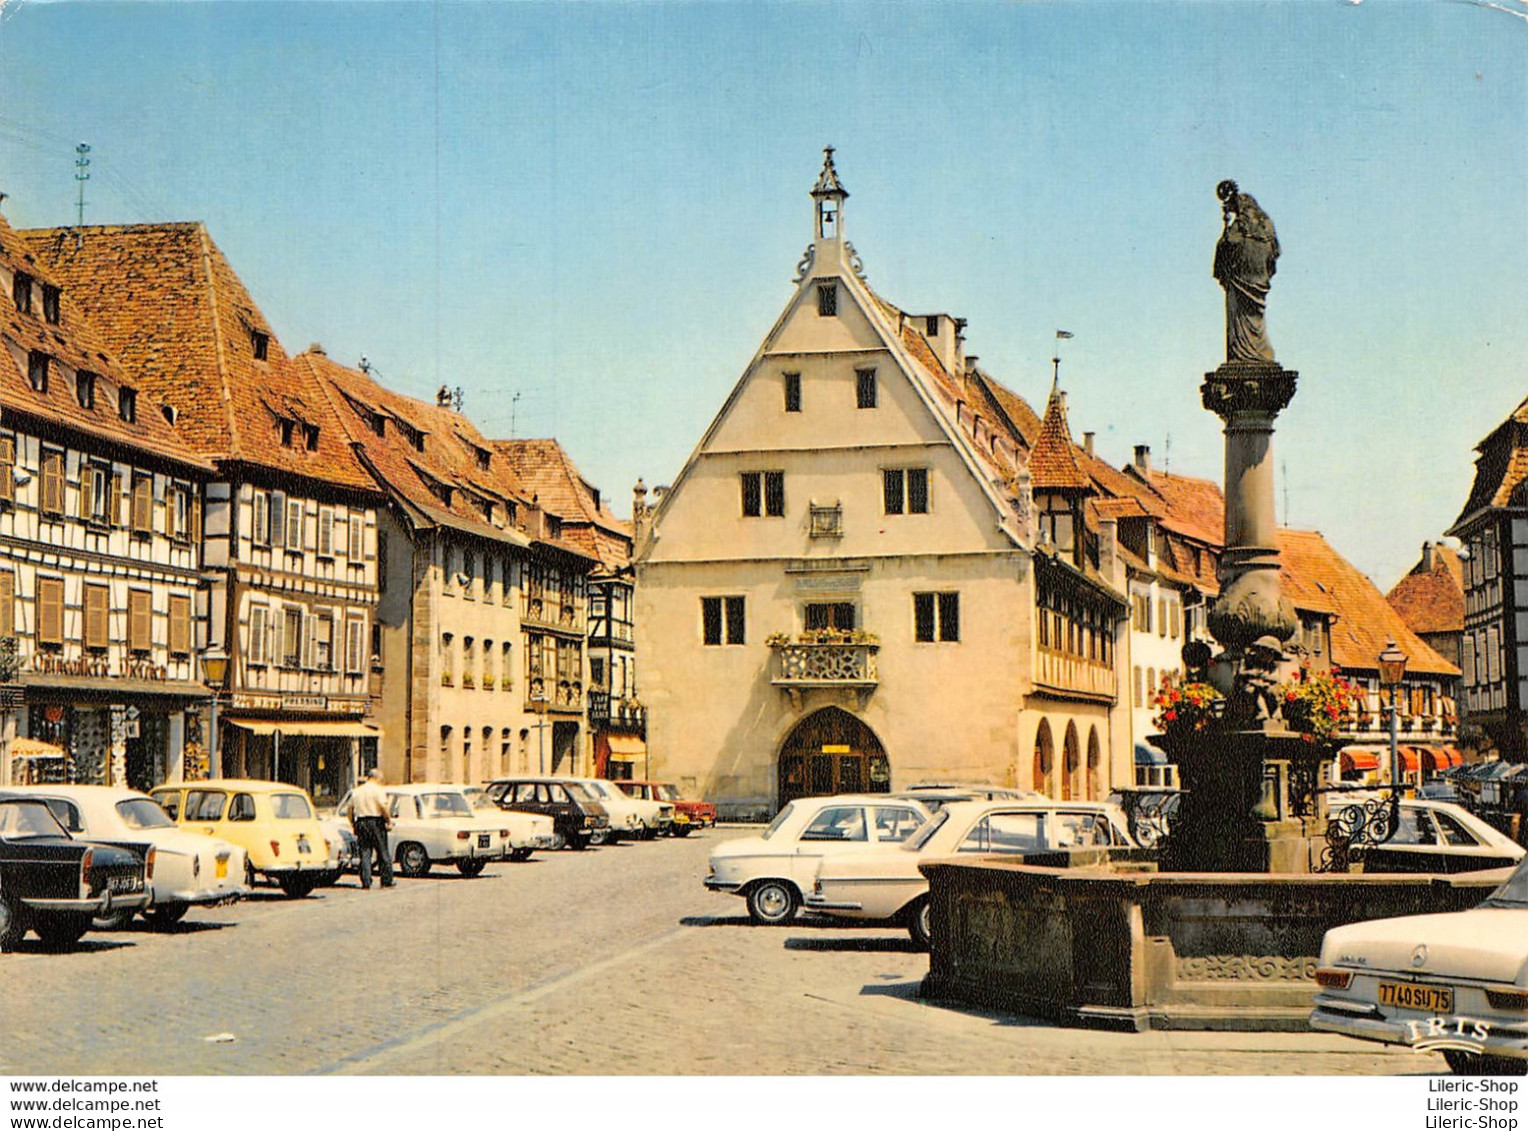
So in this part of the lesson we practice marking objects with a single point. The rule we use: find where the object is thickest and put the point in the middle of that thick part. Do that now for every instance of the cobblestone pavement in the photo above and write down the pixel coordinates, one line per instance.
(611, 961)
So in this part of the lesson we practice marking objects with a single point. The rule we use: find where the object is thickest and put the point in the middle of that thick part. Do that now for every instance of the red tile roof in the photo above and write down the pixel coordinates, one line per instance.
(1432, 600)
(1195, 507)
(545, 469)
(1053, 461)
(172, 308)
(75, 341)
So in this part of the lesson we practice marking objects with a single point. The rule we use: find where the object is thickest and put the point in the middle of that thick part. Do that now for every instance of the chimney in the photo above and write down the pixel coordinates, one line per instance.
(318, 348)
(1087, 442)
(1143, 460)
(443, 397)
(1429, 557)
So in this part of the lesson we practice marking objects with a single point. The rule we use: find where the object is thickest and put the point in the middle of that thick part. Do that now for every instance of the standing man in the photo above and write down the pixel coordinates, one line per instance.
(370, 819)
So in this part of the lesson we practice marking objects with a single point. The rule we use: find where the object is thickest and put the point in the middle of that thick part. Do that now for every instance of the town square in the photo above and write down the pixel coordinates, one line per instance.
(783, 540)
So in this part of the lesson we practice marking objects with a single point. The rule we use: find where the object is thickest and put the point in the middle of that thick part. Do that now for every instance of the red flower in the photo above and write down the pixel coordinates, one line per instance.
(1170, 715)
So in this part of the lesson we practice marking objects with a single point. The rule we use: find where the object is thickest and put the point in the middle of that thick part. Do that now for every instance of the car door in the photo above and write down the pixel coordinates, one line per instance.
(834, 829)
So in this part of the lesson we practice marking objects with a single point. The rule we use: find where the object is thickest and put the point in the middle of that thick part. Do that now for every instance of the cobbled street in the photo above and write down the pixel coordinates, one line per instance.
(611, 961)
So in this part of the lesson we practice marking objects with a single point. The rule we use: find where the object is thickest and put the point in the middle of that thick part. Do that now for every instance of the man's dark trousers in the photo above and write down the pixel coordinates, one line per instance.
(371, 832)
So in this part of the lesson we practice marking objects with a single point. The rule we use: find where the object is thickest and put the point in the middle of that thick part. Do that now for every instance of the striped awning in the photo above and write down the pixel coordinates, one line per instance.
(1357, 759)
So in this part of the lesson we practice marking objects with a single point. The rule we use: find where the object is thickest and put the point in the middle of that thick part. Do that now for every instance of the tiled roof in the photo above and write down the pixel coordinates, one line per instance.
(1365, 620)
(172, 308)
(1501, 466)
(545, 469)
(1196, 507)
(77, 342)
(1432, 600)
(1053, 462)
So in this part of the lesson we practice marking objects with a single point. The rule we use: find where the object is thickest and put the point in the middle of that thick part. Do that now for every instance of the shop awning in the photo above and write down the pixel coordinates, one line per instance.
(1356, 759)
(34, 748)
(1441, 757)
(288, 728)
(626, 748)
(1149, 755)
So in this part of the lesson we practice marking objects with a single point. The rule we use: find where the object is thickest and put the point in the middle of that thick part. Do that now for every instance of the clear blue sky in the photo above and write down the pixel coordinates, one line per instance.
(600, 206)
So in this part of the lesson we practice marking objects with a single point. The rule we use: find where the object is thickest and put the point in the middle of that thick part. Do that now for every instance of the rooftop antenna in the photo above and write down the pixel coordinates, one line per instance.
(1284, 474)
(456, 398)
(514, 408)
(81, 165)
(1167, 455)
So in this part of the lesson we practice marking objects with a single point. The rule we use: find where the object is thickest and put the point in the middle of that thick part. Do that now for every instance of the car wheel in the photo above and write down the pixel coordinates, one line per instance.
(918, 923)
(773, 902)
(249, 874)
(296, 885)
(413, 860)
(599, 838)
(520, 855)
(578, 842)
(166, 915)
(559, 841)
(115, 921)
(1473, 1064)
(679, 830)
(649, 833)
(472, 866)
(13, 923)
(62, 930)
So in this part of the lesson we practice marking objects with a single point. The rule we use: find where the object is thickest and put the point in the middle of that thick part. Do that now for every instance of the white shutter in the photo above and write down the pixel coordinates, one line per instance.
(326, 531)
(357, 548)
(258, 621)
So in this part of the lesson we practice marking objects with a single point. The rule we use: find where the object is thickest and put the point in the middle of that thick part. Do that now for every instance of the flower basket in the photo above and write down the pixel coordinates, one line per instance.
(1315, 703)
(1186, 707)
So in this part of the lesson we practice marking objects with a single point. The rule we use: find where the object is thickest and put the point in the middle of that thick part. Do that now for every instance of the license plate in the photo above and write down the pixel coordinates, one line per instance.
(1410, 995)
(222, 868)
(483, 840)
(123, 883)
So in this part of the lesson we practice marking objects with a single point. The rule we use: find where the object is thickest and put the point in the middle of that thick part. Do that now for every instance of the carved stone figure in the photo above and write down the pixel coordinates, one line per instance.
(1245, 260)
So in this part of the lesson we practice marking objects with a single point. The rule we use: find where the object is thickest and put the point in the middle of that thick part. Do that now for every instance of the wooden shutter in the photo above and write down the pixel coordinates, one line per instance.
(50, 610)
(259, 619)
(7, 603)
(87, 487)
(194, 507)
(97, 604)
(142, 518)
(114, 508)
(53, 483)
(8, 468)
(140, 620)
(296, 524)
(180, 624)
(278, 519)
(355, 646)
(356, 549)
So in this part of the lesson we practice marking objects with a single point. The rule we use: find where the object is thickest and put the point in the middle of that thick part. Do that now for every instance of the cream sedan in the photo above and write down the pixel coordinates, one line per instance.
(1455, 982)
(884, 883)
(436, 824)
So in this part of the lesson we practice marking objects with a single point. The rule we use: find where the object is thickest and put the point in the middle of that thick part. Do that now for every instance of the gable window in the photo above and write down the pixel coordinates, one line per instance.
(50, 295)
(37, 370)
(722, 620)
(259, 630)
(142, 511)
(905, 490)
(180, 624)
(127, 404)
(827, 299)
(21, 291)
(792, 392)
(140, 620)
(260, 344)
(864, 388)
(85, 388)
(936, 617)
(50, 611)
(52, 501)
(763, 493)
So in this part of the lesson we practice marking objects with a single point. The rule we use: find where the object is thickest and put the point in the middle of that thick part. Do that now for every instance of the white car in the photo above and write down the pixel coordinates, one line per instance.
(1455, 982)
(774, 869)
(435, 824)
(1429, 836)
(190, 869)
(629, 816)
(884, 883)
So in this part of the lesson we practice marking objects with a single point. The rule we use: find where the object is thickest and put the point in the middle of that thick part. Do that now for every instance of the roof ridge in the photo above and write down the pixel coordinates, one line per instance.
(205, 242)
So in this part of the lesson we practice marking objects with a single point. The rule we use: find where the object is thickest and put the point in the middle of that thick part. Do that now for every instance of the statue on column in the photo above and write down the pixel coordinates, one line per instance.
(1245, 260)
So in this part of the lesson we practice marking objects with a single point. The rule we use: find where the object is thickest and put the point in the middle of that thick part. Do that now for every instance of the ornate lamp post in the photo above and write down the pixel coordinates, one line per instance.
(214, 672)
(1392, 671)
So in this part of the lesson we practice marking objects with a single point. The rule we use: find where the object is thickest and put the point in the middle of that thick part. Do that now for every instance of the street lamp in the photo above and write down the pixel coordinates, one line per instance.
(1392, 671)
(214, 672)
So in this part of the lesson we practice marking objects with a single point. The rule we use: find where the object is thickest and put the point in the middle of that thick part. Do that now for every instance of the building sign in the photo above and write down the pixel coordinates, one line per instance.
(298, 703)
(257, 702)
(831, 583)
(50, 663)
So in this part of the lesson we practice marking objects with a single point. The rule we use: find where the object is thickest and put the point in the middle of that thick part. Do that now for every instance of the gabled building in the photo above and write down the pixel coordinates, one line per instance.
(842, 589)
(1430, 599)
(1494, 648)
(290, 534)
(617, 721)
(102, 610)
(483, 611)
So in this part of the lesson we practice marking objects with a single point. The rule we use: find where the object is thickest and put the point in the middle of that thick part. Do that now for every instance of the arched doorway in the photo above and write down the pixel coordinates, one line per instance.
(1045, 759)
(831, 751)
(1095, 756)
(1072, 761)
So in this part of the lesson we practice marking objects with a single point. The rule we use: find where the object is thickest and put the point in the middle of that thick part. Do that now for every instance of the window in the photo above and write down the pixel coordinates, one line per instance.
(864, 388)
(142, 516)
(97, 604)
(837, 615)
(893, 823)
(178, 515)
(21, 292)
(96, 494)
(8, 603)
(288, 429)
(310, 437)
(127, 404)
(722, 620)
(140, 620)
(355, 548)
(469, 662)
(1140, 694)
(323, 642)
(792, 392)
(827, 299)
(931, 325)
(294, 540)
(260, 518)
(763, 493)
(355, 646)
(447, 660)
(85, 388)
(52, 501)
(50, 610)
(180, 624)
(838, 823)
(905, 490)
(1006, 832)
(326, 532)
(936, 617)
(37, 370)
(1161, 616)
(259, 629)
(259, 344)
(242, 807)
(506, 677)
(50, 296)
(291, 637)
(7, 469)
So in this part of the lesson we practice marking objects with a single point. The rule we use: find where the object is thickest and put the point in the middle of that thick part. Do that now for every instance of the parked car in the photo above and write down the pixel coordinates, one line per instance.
(688, 815)
(1456, 981)
(576, 816)
(883, 882)
(935, 795)
(436, 824)
(774, 869)
(56, 885)
(634, 816)
(273, 822)
(1434, 836)
(344, 848)
(190, 870)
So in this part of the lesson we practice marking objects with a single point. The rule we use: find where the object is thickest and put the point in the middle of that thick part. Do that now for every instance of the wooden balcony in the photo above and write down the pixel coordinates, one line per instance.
(1073, 677)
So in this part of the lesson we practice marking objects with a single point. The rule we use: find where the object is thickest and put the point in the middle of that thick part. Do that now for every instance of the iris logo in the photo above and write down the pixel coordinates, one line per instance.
(1459, 1034)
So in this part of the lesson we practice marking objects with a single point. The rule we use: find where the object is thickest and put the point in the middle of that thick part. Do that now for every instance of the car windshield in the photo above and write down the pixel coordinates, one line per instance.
(780, 818)
(143, 813)
(437, 805)
(290, 807)
(22, 819)
(668, 793)
(1513, 893)
(925, 831)
(580, 792)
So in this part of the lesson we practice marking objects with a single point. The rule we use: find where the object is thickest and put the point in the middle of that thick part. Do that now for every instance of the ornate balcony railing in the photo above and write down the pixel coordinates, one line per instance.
(825, 665)
(553, 614)
(543, 694)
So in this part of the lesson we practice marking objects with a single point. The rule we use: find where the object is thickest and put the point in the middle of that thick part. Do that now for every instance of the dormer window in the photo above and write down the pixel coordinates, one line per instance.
(379, 424)
(37, 367)
(260, 343)
(127, 405)
(931, 326)
(553, 526)
(417, 439)
(85, 388)
(287, 429)
(310, 436)
(484, 458)
(827, 299)
(50, 303)
(21, 291)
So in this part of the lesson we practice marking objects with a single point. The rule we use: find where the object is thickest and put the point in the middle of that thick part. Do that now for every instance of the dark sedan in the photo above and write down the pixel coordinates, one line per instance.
(55, 885)
(577, 818)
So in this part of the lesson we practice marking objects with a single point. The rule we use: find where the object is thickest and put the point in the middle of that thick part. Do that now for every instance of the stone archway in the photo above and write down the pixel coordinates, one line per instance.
(1045, 759)
(831, 751)
(1071, 764)
(1095, 758)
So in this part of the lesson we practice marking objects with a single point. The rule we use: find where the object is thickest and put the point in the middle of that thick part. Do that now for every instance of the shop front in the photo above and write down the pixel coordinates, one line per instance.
(323, 756)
